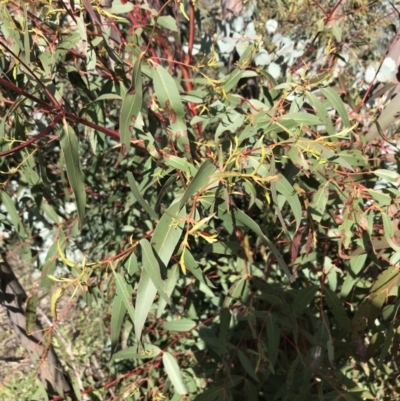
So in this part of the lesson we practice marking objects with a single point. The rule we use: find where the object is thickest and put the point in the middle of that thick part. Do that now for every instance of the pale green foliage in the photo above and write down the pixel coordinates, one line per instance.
(230, 252)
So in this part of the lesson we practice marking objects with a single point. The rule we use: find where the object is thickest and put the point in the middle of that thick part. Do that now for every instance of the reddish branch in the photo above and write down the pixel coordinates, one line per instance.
(34, 138)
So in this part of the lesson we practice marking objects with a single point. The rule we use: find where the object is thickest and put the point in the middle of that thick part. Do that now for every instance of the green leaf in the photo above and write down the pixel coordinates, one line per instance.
(338, 310)
(168, 232)
(142, 202)
(250, 223)
(304, 297)
(131, 105)
(150, 264)
(273, 339)
(124, 293)
(212, 394)
(384, 121)
(392, 176)
(170, 100)
(356, 264)
(180, 164)
(120, 8)
(194, 268)
(321, 112)
(70, 149)
(284, 187)
(199, 182)
(389, 232)
(169, 286)
(318, 205)
(302, 118)
(231, 80)
(180, 325)
(337, 104)
(380, 290)
(247, 365)
(390, 333)
(146, 293)
(168, 22)
(149, 351)
(13, 213)
(117, 317)
(238, 291)
(174, 373)
(330, 156)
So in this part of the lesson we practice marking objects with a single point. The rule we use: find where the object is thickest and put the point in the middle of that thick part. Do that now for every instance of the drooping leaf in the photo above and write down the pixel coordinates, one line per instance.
(13, 213)
(151, 265)
(321, 112)
(318, 205)
(169, 286)
(231, 80)
(247, 365)
(304, 297)
(139, 197)
(389, 232)
(70, 149)
(250, 223)
(117, 317)
(390, 333)
(337, 309)
(174, 373)
(199, 182)
(146, 293)
(288, 192)
(273, 339)
(337, 104)
(125, 293)
(168, 232)
(131, 105)
(169, 98)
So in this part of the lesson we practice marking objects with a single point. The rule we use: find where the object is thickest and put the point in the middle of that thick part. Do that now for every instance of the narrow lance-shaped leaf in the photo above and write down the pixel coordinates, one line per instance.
(248, 366)
(284, 187)
(338, 310)
(150, 264)
(318, 204)
(70, 149)
(169, 286)
(139, 197)
(389, 336)
(130, 109)
(337, 103)
(304, 297)
(117, 317)
(250, 223)
(144, 300)
(124, 293)
(200, 181)
(170, 100)
(389, 232)
(165, 238)
(13, 214)
(174, 373)
(273, 338)
(321, 112)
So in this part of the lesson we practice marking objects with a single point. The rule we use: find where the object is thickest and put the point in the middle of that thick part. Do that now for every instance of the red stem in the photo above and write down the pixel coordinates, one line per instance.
(34, 138)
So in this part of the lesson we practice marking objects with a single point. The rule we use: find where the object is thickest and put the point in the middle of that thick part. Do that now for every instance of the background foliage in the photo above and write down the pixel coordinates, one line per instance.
(191, 241)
